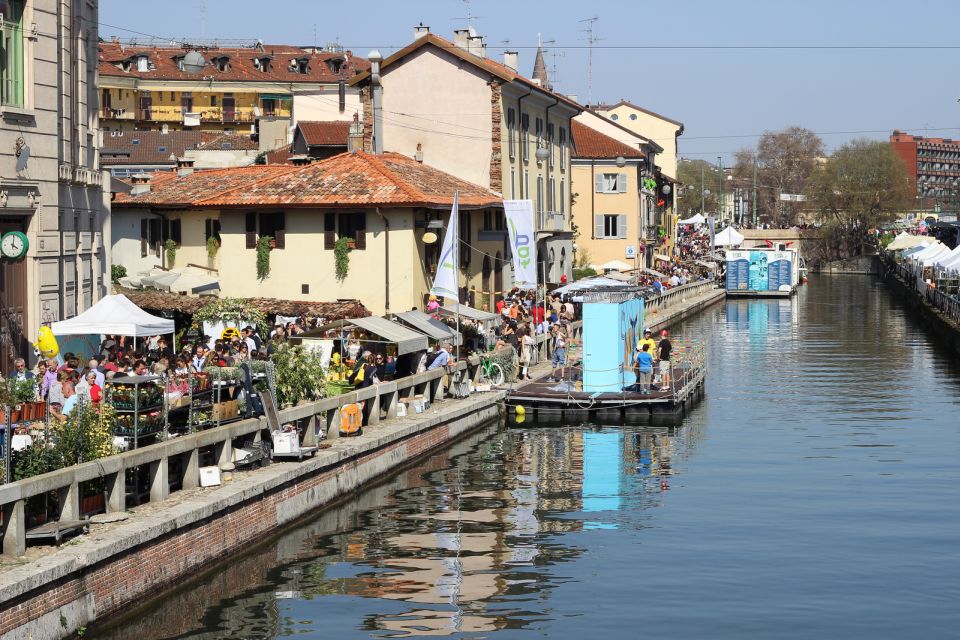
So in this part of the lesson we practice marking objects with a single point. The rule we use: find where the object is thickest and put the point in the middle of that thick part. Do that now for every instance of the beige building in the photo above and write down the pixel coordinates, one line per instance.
(386, 205)
(449, 105)
(51, 187)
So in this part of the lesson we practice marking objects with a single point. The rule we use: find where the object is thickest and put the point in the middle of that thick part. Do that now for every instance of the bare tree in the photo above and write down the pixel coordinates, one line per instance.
(696, 176)
(784, 161)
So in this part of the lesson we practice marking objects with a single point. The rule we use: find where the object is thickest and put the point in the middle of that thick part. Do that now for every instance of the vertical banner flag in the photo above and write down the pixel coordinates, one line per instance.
(445, 282)
(523, 242)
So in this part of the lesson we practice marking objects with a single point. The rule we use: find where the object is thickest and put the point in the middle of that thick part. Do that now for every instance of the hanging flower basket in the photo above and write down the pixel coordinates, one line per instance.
(351, 244)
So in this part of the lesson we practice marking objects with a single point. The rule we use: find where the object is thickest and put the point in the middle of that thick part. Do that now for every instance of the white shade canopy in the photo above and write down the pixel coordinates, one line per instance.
(907, 241)
(615, 265)
(728, 238)
(596, 282)
(114, 315)
(945, 258)
(697, 219)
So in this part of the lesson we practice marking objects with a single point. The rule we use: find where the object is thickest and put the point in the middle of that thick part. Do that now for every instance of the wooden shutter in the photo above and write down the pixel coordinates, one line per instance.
(251, 230)
(280, 238)
(622, 225)
(155, 232)
(360, 229)
(176, 228)
(208, 228)
(144, 236)
(598, 182)
(622, 183)
(329, 230)
(598, 230)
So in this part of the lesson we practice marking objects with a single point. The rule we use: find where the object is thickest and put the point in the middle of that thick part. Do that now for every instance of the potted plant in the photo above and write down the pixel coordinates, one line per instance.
(171, 253)
(264, 244)
(341, 254)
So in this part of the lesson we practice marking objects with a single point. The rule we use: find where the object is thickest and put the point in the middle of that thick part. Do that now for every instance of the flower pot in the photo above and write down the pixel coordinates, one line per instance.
(273, 243)
(351, 244)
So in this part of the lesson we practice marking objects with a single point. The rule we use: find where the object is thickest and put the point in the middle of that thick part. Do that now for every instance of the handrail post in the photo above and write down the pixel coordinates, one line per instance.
(69, 498)
(373, 410)
(117, 491)
(223, 451)
(14, 529)
(191, 471)
(159, 480)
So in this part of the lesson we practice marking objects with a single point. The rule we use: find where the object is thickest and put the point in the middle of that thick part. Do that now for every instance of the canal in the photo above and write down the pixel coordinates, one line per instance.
(814, 492)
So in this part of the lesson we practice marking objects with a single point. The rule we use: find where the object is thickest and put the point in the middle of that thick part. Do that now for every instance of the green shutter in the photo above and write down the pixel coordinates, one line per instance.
(11, 56)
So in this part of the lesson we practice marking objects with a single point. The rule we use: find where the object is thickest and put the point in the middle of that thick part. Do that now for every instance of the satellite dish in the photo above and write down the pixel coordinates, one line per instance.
(23, 159)
(429, 237)
(194, 62)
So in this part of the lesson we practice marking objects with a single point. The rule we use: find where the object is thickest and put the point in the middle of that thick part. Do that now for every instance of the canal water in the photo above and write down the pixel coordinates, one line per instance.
(815, 492)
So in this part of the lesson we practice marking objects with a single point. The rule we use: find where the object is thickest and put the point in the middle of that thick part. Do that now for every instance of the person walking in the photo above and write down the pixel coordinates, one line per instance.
(644, 364)
(526, 353)
(663, 355)
(559, 354)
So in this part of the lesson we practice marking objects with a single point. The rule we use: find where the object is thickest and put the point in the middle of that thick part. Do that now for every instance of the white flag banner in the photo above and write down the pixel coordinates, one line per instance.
(445, 282)
(523, 242)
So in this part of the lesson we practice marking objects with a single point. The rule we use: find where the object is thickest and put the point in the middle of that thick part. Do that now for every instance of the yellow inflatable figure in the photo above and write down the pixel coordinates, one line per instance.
(230, 333)
(46, 344)
(336, 372)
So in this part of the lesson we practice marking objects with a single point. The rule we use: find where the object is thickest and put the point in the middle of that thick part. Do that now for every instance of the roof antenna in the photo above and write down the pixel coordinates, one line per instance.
(203, 19)
(591, 40)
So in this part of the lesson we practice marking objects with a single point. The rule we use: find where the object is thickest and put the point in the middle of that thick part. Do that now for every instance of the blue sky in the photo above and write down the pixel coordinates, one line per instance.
(725, 97)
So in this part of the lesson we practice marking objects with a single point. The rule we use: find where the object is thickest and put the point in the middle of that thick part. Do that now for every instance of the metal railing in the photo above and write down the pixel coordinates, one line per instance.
(911, 277)
(677, 295)
(156, 458)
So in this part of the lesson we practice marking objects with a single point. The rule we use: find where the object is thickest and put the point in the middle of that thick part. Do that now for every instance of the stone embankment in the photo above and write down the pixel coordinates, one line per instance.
(120, 565)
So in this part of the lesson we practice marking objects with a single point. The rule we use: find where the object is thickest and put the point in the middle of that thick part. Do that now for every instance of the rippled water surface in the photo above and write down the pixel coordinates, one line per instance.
(815, 492)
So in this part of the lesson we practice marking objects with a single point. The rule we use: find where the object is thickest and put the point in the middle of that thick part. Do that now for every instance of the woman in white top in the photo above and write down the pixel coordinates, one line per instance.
(526, 353)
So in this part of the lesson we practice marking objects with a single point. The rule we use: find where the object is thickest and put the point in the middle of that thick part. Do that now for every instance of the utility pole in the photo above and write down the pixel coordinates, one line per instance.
(754, 193)
(720, 163)
(591, 40)
(703, 195)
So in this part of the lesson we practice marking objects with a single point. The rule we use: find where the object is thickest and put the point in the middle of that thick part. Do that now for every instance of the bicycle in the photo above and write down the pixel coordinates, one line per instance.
(490, 372)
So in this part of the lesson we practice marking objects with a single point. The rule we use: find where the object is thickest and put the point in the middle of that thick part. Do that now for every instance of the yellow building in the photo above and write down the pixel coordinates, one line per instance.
(229, 89)
(383, 204)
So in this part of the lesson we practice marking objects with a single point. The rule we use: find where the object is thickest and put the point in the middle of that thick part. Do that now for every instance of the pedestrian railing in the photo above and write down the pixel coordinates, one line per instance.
(677, 295)
(175, 463)
(911, 277)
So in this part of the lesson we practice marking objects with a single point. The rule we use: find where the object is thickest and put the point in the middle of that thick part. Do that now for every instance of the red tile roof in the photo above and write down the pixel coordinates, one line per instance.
(279, 156)
(491, 66)
(324, 133)
(114, 56)
(229, 141)
(589, 143)
(345, 180)
(148, 147)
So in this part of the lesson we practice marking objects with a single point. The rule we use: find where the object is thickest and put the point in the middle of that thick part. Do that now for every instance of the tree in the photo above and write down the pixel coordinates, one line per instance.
(860, 187)
(696, 176)
(784, 161)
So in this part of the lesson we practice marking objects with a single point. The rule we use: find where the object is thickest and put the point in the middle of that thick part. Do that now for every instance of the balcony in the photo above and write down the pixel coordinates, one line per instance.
(117, 114)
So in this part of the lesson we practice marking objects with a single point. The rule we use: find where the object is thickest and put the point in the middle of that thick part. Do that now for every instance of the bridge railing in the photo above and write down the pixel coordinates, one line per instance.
(677, 295)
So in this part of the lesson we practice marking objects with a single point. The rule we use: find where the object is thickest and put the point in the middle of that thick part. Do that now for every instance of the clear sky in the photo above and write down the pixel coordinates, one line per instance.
(726, 97)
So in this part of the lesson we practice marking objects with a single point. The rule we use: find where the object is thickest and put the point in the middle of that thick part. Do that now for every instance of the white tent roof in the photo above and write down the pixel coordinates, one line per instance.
(906, 241)
(615, 265)
(953, 264)
(929, 251)
(697, 219)
(597, 282)
(728, 238)
(944, 258)
(114, 315)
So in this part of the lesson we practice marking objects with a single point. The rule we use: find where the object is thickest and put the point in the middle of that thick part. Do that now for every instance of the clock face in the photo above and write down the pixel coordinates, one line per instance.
(14, 245)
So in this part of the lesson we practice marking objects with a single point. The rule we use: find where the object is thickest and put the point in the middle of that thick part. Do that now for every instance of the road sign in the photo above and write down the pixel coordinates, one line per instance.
(793, 197)
(631, 252)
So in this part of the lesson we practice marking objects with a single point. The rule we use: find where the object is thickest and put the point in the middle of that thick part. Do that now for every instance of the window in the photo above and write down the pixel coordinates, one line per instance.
(213, 101)
(524, 136)
(11, 50)
(563, 200)
(143, 63)
(150, 236)
(614, 117)
(550, 142)
(610, 183)
(179, 61)
(610, 226)
(539, 128)
(551, 189)
(633, 116)
(511, 125)
(563, 147)
(212, 229)
(539, 194)
(466, 235)
(513, 182)
(487, 220)
(526, 184)
(345, 225)
(262, 225)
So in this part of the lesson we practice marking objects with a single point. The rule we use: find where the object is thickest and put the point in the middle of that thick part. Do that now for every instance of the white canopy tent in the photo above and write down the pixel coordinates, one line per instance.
(597, 282)
(945, 258)
(952, 265)
(697, 219)
(728, 238)
(907, 241)
(114, 315)
(926, 256)
(614, 265)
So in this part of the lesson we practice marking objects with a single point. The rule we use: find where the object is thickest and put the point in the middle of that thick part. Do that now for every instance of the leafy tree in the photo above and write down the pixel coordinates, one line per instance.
(861, 186)
(697, 176)
(784, 161)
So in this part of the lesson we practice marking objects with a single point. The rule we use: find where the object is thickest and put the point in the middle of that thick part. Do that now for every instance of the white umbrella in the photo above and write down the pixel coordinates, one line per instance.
(615, 265)
(728, 238)
(697, 219)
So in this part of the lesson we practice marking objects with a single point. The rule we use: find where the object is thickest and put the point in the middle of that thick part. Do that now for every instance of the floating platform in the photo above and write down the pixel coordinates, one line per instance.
(541, 399)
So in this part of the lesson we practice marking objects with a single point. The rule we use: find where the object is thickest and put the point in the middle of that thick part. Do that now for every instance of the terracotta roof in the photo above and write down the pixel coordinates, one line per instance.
(229, 141)
(491, 66)
(324, 133)
(625, 103)
(345, 180)
(148, 147)
(240, 63)
(591, 144)
(167, 301)
(279, 156)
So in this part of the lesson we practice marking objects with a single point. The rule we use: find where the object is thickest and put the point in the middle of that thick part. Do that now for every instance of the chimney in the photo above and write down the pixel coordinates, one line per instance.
(511, 60)
(355, 136)
(460, 38)
(141, 184)
(376, 89)
(184, 166)
(418, 156)
(420, 31)
(476, 46)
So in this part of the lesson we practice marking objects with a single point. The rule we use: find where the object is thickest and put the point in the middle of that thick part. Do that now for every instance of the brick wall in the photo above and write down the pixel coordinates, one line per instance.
(496, 132)
(132, 577)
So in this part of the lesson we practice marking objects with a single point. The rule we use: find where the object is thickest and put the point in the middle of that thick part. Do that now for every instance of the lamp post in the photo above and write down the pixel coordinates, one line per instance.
(720, 207)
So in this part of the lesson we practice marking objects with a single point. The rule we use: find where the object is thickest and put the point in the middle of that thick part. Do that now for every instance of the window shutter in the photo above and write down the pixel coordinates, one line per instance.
(280, 238)
(208, 228)
(598, 231)
(360, 226)
(622, 225)
(329, 230)
(144, 234)
(251, 230)
(622, 183)
(598, 182)
(176, 231)
(156, 230)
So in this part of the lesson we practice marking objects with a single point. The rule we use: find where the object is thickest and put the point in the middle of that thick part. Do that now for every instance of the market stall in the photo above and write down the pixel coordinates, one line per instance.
(431, 327)
(114, 315)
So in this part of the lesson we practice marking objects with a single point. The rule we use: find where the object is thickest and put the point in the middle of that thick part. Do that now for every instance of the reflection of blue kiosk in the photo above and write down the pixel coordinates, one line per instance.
(762, 272)
(603, 380)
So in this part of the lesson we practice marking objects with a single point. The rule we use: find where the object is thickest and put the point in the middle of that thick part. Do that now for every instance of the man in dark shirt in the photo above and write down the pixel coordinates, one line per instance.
(663, 355)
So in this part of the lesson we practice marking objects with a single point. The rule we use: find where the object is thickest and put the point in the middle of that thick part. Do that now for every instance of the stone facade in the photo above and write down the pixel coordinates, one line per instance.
(51, 187)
